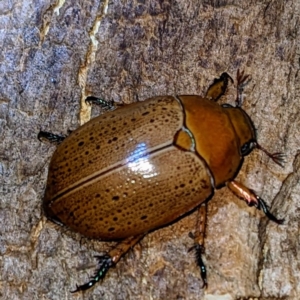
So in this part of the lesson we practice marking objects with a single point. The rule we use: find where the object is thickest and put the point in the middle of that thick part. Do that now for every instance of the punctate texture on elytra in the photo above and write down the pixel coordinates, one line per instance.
(142, 166)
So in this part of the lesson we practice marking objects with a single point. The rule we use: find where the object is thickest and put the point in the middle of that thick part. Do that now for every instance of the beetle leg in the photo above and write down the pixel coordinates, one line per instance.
(105, 104)
(109, 260)
(242, 81)
(198, 238)
(50, 137)
(218, 87)
(251, 199)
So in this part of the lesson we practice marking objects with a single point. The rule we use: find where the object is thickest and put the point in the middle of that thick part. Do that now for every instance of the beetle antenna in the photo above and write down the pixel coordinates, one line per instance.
(277, 157)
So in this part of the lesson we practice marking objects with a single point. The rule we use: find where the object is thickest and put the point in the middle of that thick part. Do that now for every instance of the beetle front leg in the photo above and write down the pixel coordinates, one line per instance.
(198, 238)
(218, 87)
(109, 260)
(251, 199)
(242, 81)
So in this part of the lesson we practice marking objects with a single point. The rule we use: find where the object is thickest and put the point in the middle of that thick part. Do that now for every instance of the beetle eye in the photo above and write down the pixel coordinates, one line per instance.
(247, 148)
(226, 105)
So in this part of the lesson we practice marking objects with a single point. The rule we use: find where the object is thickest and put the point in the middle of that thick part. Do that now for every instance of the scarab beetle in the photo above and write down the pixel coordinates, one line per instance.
(142, 166)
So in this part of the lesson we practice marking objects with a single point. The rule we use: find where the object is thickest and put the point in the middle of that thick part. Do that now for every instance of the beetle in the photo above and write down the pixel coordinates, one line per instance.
(144, 165)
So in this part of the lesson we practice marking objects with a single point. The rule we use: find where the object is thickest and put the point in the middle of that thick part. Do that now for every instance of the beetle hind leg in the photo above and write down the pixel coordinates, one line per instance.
(109, 260)
(198, 238)
(218, 87)
(105, 263)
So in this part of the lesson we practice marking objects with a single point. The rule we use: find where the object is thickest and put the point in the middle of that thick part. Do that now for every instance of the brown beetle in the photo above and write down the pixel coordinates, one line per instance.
(144, 165)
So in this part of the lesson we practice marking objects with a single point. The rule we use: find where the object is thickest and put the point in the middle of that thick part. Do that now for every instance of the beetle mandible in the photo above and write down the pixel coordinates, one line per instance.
(144, 165)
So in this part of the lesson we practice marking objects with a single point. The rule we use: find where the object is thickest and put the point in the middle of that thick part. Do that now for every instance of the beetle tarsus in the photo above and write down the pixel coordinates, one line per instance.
(50, 137)
(105, 263)
(99, 101)
(105, 104)
(242, 81)
(262, 205)
(199, 250)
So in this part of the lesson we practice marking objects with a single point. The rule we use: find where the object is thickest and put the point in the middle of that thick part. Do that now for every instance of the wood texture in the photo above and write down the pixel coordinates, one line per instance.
(55, 53)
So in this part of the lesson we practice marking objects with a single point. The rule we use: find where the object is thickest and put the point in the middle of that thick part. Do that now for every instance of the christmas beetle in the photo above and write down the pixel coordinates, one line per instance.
(144, 165)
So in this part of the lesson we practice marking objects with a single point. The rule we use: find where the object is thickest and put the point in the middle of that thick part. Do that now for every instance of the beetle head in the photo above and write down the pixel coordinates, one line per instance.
(245, 131)
(243, 127)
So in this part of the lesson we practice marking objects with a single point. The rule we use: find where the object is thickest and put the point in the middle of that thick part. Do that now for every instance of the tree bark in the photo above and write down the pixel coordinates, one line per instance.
(56, 53)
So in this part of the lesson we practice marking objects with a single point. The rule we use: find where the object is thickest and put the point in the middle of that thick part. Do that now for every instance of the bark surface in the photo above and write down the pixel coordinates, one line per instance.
(56, 53)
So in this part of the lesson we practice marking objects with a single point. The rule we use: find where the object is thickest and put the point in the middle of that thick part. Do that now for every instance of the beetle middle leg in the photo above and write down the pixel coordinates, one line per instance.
(50, 137)
(105, 104)
(218, 87)
(198, 238)
(108, 260)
